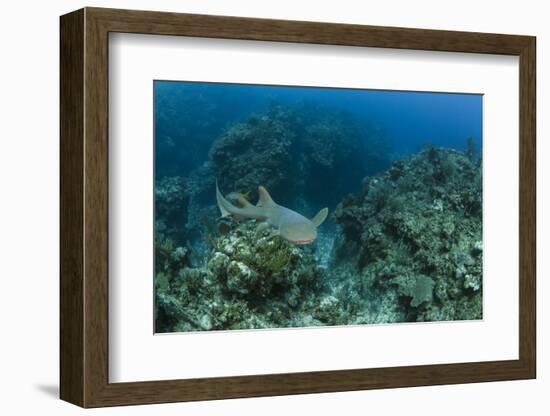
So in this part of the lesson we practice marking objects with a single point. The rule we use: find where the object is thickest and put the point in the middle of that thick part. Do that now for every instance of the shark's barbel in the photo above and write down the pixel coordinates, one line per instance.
(289, 224)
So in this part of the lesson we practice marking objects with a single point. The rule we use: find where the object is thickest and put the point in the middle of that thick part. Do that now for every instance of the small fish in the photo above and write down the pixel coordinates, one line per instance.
(245, 195)
(288, 224)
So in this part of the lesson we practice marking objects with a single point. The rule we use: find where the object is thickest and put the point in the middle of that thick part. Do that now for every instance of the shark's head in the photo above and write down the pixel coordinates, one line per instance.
(300, 232)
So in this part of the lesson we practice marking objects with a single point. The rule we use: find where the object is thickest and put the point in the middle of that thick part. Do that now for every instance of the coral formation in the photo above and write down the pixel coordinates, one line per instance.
(171, 200)
(417, 231)
(255, 152)
(297, 153)
(187, 120)
(336, 154)
(250, 280)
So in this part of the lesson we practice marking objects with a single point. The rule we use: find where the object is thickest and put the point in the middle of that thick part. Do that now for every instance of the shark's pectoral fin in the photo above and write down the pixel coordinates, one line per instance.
(320, 217)
(224, 212)
(274, 233)
(262, 227)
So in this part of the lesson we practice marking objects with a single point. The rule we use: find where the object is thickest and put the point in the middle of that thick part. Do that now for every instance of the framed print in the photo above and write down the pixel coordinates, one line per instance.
(255, 207)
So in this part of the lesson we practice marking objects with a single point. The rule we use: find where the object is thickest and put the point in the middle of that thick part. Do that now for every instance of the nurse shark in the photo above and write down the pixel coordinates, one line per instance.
(287, 223)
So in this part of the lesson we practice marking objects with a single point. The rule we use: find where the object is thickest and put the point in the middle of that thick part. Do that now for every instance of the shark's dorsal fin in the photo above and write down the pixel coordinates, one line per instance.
(265, 199)
(320, 217)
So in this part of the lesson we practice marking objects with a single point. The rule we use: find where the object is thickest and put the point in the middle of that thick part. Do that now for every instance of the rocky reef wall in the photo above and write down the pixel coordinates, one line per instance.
(416, 231)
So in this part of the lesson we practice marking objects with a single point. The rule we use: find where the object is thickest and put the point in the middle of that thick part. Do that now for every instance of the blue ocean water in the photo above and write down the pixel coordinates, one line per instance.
(409, 120)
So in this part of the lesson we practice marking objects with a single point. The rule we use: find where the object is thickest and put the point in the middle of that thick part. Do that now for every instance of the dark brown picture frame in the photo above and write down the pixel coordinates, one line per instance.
(84, 207)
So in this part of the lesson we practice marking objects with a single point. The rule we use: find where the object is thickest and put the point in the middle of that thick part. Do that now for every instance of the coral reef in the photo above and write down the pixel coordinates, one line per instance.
(336, 153)
(250, 279)
(410, 249)
(297, 153)
(188, 118)
(171, 200)
(416, 231)
(257, 152)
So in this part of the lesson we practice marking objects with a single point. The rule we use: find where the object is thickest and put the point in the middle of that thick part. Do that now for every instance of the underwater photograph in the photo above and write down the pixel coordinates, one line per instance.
(294, 207)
